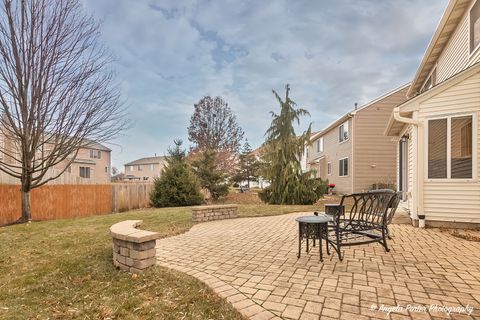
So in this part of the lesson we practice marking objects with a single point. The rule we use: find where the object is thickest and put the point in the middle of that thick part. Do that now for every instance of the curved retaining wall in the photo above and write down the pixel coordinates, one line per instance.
(133, 249)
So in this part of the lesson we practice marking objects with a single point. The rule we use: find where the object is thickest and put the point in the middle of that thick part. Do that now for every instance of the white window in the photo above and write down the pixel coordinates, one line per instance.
(320, 144)
(139, 168)
(152, 166)
(343, 132)
(475, 26)
(85, 172)
(450, 148)
(106, 169)
(131, 168)
(343, 167)
(329, 168)
(431, 81)
(95, 154)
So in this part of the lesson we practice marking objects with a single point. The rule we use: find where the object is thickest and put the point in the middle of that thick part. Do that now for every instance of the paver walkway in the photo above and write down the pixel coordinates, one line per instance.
(252, 262)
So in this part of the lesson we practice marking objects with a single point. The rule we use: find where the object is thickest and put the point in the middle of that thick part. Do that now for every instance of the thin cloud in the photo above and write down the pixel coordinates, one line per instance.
(333, 53)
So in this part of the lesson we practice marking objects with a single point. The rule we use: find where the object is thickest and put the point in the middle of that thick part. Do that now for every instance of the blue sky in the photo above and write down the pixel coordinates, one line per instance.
(169, 54)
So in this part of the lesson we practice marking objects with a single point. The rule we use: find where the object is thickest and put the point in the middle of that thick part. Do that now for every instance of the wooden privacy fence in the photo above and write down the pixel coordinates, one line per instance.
(73, 200)
(128, 196)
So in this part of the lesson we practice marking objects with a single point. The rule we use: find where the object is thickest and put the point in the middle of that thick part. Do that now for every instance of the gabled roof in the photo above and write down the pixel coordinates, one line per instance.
(148, 160)
(352, 113)
(411, 105)
(447, 25)
(95, 145)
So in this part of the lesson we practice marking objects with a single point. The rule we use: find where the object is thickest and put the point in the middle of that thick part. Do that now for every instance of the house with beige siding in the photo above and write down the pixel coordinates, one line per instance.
(144, 169)
(91, 165)
(352, 152)
(437, 128)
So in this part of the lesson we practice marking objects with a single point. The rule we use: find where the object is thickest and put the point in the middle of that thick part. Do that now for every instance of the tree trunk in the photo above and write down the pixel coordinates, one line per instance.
(26, 213)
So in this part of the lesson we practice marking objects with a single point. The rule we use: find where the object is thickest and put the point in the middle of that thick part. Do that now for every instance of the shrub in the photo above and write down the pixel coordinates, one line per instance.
(177, 185)
(211, 177)
(322, 187)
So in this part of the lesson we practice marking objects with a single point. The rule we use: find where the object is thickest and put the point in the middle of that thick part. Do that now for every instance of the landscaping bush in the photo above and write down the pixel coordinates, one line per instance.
(177, 185)
(211, 177)
(322, 187)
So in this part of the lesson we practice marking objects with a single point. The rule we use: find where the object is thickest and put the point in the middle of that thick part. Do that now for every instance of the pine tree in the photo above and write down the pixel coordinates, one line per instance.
(177, 185)
(211, 177)
(283, 150)
(248, 166)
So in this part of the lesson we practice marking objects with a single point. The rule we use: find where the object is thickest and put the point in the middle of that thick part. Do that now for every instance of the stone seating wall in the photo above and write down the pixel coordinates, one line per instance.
(215, 212)
(133, 249)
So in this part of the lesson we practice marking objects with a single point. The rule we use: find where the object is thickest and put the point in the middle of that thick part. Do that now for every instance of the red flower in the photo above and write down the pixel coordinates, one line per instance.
(332, 185)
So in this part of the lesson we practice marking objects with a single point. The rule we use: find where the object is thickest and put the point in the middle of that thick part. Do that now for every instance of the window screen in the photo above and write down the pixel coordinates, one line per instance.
(461, 148)
(437, 149)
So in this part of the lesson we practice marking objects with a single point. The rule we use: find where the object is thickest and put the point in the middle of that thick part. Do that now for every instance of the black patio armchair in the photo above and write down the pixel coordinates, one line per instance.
(362, 218)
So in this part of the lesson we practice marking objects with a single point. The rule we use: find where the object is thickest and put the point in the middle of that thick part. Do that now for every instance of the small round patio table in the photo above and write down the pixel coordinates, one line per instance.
(313, 227)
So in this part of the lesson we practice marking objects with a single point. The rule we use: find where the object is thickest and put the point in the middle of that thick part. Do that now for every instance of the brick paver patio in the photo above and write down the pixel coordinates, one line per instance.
(252, 263)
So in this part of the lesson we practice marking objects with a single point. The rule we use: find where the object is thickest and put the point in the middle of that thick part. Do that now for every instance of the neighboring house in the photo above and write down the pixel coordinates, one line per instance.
(145, 169)
(437, 129)
(91, 165)
(261, 182)
(352, 152)
(304, 158)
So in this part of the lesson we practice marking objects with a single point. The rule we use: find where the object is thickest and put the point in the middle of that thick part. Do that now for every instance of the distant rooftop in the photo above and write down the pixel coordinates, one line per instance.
(95, 145)
(148, 160)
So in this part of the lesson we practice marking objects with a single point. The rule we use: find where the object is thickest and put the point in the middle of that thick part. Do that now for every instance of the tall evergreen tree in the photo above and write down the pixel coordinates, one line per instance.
(248, 166)
(177, 185)
(283, 150)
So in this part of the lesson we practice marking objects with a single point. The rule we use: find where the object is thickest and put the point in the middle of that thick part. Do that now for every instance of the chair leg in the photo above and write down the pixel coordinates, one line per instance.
(384, 240)
(388, 234)
(299, 240)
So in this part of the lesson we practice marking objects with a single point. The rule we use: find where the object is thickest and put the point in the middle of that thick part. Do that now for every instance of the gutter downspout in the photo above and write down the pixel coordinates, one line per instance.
(420, 159)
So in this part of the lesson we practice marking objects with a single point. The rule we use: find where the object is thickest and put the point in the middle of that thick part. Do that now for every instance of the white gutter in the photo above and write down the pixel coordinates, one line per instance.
(420, 160)
(399, 118)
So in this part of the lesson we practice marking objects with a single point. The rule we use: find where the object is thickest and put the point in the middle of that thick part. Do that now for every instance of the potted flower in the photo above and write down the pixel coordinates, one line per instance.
(331, 186)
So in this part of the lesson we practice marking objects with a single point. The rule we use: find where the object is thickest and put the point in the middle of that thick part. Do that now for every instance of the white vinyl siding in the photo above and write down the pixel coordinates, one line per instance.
(456, 55)
(454, 199)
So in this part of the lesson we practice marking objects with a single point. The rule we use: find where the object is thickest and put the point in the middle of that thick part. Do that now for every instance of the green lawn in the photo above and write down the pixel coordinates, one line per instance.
(63, 270)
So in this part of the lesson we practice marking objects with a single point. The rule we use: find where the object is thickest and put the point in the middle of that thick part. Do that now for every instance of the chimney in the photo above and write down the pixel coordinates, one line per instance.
(155, 154)
(356, 105)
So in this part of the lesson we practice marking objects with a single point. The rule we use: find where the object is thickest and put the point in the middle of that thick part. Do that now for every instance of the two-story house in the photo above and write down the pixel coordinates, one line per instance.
(145, 169)
(92, 164)
(437, 128)
(352, 152)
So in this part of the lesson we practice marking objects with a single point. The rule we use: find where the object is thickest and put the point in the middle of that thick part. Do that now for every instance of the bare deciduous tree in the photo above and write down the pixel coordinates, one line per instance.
(57, 93)
(214, 126)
